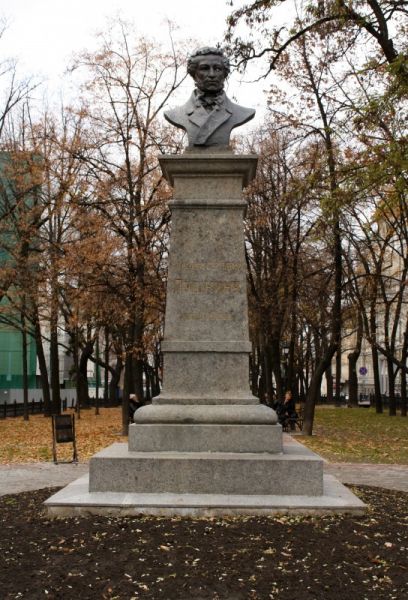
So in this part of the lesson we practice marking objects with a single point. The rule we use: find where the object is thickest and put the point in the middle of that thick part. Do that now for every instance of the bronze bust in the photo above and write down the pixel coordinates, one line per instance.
(209, 116)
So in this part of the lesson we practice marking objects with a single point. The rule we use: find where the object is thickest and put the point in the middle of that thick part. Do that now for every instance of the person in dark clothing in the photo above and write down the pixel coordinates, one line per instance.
(286, 411)
(133, 406)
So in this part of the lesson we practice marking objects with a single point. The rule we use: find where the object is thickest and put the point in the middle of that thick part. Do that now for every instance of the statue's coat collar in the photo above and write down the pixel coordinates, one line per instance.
(208, 122)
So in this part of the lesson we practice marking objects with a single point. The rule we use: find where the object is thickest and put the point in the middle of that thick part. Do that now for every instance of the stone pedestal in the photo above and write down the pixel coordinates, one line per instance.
(206, 404)
(206, 445)
(206, 344)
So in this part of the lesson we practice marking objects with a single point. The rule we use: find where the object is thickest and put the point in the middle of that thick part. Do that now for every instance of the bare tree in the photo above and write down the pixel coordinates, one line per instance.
(129, 84)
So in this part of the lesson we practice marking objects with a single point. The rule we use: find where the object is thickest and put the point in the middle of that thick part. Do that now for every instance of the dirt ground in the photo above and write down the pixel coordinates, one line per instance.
(341, 558)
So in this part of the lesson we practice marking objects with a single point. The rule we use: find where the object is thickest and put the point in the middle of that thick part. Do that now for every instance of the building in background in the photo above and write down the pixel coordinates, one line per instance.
(11, 341)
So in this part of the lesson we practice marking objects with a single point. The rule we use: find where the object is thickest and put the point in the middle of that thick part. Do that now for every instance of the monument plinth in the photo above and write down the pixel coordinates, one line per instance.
(206, 403)
(206, 344)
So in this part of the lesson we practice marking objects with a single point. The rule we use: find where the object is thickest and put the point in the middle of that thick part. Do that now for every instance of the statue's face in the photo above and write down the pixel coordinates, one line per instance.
(210, 73)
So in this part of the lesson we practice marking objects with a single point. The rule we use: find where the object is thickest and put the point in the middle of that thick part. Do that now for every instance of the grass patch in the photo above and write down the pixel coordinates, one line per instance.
(359, 435)
(31, 441)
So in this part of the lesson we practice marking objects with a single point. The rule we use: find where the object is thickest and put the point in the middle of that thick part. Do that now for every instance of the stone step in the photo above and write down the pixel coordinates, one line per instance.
(76, 499)
(168, 437)
(296, 471)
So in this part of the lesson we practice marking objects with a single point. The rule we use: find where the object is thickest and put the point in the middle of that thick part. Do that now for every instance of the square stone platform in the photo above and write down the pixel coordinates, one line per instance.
(157, 484)
(295, 471)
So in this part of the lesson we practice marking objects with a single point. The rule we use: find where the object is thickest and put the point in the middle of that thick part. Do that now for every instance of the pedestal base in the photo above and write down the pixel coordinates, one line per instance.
(296, 471)
(76, 499)
(205, 438)
(200, 428)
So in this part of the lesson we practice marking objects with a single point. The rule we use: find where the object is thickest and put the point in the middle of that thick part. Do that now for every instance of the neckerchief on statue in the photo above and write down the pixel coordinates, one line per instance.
(209, 101)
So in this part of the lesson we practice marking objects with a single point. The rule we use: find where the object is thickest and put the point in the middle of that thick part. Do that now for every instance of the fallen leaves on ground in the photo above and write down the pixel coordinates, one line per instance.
(240, 558)
(31, 441)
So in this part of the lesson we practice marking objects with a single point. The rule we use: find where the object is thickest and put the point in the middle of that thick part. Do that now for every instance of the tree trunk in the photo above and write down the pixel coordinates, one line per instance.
(149, 382)
(267, 374)
(392, 407)
(329, 384)
(127, 390)
(404, 353)
(54, 366)
(114, 382)
(25, 372)
(302, 386)
(403, 393)
(42, 363)
(352, 363)
(292, 379)
(353, 379)
(106, 372)
(337, 401)
(314, 389)
(83, 387)
(276, 366)
(376, 375)
(254, 370)
(76, 366)
(97, 376)
(137, 372)
(156, 385)
(157, 371)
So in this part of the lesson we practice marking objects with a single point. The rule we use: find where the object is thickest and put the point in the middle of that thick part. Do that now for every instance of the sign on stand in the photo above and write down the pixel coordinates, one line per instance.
(63, 432)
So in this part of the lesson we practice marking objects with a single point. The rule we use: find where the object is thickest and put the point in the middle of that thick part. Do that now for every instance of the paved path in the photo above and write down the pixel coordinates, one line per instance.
(34, 476)
(391, 477)
(25, 477)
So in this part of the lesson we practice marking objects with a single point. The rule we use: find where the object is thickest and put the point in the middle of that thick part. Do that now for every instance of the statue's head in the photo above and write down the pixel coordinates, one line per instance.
(209, 67)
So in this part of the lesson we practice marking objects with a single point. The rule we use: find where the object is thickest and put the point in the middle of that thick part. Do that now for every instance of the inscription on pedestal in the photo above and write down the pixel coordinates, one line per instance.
(207, 316)
(180, 286)
(205, 266)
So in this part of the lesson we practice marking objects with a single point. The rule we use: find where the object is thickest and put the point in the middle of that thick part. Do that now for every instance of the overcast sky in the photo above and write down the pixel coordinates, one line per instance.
(44, 34)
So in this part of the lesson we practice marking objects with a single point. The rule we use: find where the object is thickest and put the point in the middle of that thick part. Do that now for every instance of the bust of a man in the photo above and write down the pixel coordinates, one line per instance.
(209, 116)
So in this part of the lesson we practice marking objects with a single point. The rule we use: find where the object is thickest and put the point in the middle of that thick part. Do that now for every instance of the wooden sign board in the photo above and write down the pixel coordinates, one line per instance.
(63, 432)
(64, 428)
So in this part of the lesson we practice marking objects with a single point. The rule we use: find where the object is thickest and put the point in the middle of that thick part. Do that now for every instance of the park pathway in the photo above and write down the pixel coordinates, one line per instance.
(17, 478)
(391, 477)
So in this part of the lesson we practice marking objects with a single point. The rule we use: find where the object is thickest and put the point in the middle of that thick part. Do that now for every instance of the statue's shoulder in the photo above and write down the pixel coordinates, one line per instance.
(178, 114)
(241, 114)
(174, 115)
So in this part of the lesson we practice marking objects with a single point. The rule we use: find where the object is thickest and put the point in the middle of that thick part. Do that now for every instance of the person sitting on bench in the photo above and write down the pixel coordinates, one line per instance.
(286, 410)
